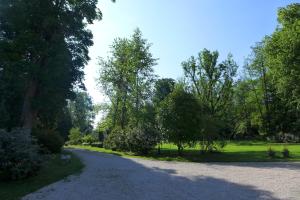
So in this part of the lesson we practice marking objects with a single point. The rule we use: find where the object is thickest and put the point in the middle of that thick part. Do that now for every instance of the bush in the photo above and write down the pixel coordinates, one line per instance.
(137, 140)
(181, 116)
(116, 140)
(74, 136)
(271, 153)
(89, 139)
(286, 137)
(210, 139)
(142, 140)
(285, 152)
(19, 154)
(49, 139)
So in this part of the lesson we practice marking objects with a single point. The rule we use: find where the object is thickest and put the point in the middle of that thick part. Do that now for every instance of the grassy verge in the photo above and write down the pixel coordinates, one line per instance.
(233, 152)
(53, 170)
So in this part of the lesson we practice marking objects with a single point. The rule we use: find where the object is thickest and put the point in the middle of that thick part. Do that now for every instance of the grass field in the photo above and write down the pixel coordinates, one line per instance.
(233, 152)
(53, 170)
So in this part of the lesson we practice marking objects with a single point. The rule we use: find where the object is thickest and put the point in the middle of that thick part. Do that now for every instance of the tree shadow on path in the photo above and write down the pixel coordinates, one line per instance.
(112, 177)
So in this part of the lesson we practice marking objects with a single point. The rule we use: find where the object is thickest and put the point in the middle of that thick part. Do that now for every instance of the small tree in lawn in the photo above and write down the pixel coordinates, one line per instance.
(180, 116)
(75, 136)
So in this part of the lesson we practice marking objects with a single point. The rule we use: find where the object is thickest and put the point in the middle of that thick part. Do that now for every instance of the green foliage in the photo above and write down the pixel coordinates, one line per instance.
(163, 87)
(234, 151)
(210, 139)
(82, 112)
(49, 139)
(258, 105)
(213, 83)
(104, 125)
(43, 50)
(266, 99)
(282, 56)
(180, 116)
(142, 139)
(19, 154)
(210, 81)
(52, 171)
(246, 110)
(137, 139)
(116, 140)
(127, 78)
(89, 139)
(75, 136)
(64, 123)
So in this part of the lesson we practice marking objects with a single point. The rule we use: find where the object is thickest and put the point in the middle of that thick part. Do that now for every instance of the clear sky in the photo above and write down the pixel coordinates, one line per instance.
(179, 29)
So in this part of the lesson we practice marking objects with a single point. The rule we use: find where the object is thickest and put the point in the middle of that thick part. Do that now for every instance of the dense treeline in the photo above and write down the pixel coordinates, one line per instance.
(44, 48)
(211, 103)
(42, 55)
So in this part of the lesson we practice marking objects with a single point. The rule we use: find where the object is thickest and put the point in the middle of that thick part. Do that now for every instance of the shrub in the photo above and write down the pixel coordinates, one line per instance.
(137, 140)
(142, 140)
(271, 153)
(19, 154)
(49, 139)
(285, 152)
(210, 139)
(89, 139)
(181, 117)
(286, 137)
(74, 136)
(116, 140)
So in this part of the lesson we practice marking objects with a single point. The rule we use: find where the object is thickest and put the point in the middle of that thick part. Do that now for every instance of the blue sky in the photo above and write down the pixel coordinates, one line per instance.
(179, 29)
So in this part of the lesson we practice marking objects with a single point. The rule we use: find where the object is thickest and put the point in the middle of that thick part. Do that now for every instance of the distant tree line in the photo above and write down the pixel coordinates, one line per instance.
(211, 103)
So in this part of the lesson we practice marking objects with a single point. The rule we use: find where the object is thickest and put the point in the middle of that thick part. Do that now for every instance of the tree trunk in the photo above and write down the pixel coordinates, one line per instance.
(114, 117)
(124, 110)
(158, 149)
(28, 114)
(266, 99)
(179, 149)
(137, 99)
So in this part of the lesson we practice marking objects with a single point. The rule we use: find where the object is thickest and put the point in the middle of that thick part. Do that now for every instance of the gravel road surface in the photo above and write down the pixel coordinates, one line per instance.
(110, 177)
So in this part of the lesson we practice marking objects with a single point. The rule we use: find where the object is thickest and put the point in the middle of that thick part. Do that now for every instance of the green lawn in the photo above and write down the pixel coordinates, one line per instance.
(52, 171)
(233, 152)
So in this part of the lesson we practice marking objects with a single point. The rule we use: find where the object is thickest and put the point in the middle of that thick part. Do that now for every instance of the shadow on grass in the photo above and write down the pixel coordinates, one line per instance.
(258, 143)
(240, 158)
(257, 159)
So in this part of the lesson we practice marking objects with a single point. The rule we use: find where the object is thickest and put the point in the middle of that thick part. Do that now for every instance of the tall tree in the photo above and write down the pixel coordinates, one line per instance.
(283, 58)
(82, 112)
(127, 78)
(260, 84)
(212, 82)
(243, 108)
(64, 123)
(283, 53)
(43, 49)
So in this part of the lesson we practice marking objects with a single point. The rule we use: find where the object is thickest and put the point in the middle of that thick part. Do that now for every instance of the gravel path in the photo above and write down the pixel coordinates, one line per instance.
(115, 178)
